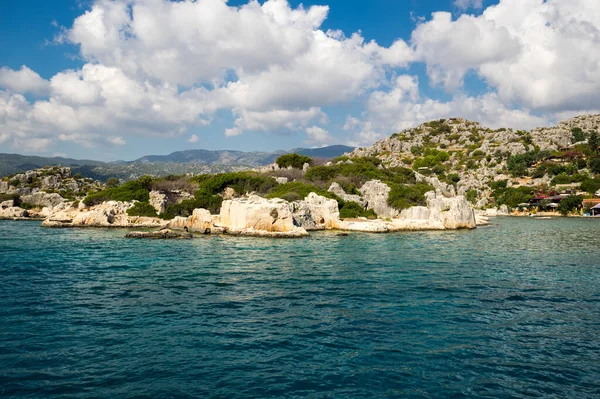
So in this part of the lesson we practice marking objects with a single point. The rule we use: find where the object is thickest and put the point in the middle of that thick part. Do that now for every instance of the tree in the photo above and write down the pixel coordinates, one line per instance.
(112, 182)
(577, 135)
(296, 161)
(594, 142)
(570, 204)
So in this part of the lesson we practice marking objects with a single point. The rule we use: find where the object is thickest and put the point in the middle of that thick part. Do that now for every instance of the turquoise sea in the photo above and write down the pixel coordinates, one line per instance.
(507, 311)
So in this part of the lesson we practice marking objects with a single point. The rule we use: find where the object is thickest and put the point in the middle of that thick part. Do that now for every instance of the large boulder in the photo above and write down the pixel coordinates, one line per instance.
(158, 200)
(13, 212)
(3, 187)
(199, 222)
(376, 194)
(254, 215)
(316, 212)
(43, 199)
(453, 213)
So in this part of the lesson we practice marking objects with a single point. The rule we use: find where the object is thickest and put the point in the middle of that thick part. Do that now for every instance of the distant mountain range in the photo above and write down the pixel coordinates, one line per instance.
(179, 162)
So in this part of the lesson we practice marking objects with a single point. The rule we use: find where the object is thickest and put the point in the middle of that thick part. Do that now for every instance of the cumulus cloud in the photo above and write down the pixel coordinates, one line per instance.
(466, 4)
(403, 107)
(540, 54)
(193, 139)
(160, 67)
(317, 135)
(23, 81)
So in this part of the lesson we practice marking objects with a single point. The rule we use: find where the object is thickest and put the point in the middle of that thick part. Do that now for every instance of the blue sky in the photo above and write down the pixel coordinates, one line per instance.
(118, 79)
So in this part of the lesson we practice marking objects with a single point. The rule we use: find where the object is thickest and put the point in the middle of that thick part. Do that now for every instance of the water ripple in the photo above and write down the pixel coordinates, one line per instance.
(507, 311)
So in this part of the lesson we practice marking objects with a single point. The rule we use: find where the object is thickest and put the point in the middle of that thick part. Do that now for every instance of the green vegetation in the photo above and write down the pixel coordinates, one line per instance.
(591, 185)
(138, 190)
(518, 165)
(471, 195)
(403, 196)
(112, 182)
(510, 196)
(351, 209)
(296, 161)
(295, 191)
(241, 182)
(594, 142)
(142, 209)
(577, 135)
(570, 204)
(432, 158)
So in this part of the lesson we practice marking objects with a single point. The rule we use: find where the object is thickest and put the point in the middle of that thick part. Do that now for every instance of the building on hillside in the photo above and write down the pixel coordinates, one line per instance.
(595, 211)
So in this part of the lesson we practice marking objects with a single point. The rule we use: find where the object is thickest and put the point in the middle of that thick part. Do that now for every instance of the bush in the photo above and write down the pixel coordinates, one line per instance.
(591, 185)
(594, 165)
(512, 197)
(112, 182)
(570, 204)
(471, 195)
(577, 135)
(351, 209)
(295, 191)
(241, 182)
(138, 190)
(142, 209)
(296, 161)
(403, 196)
(185, 208)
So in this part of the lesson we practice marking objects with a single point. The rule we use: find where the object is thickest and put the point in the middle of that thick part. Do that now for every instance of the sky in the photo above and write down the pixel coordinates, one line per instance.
(119, 79)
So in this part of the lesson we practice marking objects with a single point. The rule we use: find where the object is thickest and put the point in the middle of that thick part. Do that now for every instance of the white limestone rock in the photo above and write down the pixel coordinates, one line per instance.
(201, 221)
(13, 212)
(158, 200)
(453, 213)
(376, 193)
(43, 199)
(336, 189)
(254, 214)
(316, 212)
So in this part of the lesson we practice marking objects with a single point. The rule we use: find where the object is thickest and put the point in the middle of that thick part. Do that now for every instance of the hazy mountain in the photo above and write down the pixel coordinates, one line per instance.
(179, 162)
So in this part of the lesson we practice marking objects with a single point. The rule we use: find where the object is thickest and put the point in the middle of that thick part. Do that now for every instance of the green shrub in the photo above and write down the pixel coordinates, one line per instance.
(210, 202)
(142, 209)
(132, 190)
(594, 165)
(241, 182)
(294, 160)
(591, 185)
(471, 195)
(322, 173)
(295, 191)
(351, 209)
(570, 204)
(403, 196)
(512, 197)
(577, 135)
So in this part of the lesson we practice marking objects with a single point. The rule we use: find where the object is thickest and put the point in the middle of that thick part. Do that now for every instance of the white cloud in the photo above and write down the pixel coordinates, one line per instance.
(117, 140)
(193, 139)
(403, 107)
(539, 54)
(318, 135)
(466, 4)
(23, 81)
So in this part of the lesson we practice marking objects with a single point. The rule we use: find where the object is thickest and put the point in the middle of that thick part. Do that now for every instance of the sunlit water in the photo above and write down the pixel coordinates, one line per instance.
(511, 310)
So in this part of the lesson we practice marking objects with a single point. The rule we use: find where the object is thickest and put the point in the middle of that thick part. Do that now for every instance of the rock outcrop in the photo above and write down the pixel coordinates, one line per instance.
(43, 199)
(376, 193)
(316, 212)
(201, 221)
(13, 212)
(254, 215)
(336, 189)
(453, 213)
(107, 214)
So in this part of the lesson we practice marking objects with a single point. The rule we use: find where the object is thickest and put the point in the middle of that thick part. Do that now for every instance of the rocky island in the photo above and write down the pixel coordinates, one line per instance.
(444, 174)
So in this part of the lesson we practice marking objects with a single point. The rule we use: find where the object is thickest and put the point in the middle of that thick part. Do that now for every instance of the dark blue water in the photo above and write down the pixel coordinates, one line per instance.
(506, 311)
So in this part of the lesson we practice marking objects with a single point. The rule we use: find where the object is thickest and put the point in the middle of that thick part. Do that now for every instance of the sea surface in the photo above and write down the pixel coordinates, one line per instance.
(507, 311)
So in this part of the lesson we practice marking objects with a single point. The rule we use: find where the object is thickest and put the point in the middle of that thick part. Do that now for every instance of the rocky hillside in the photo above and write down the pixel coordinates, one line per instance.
(480, 162)
(176, 163)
